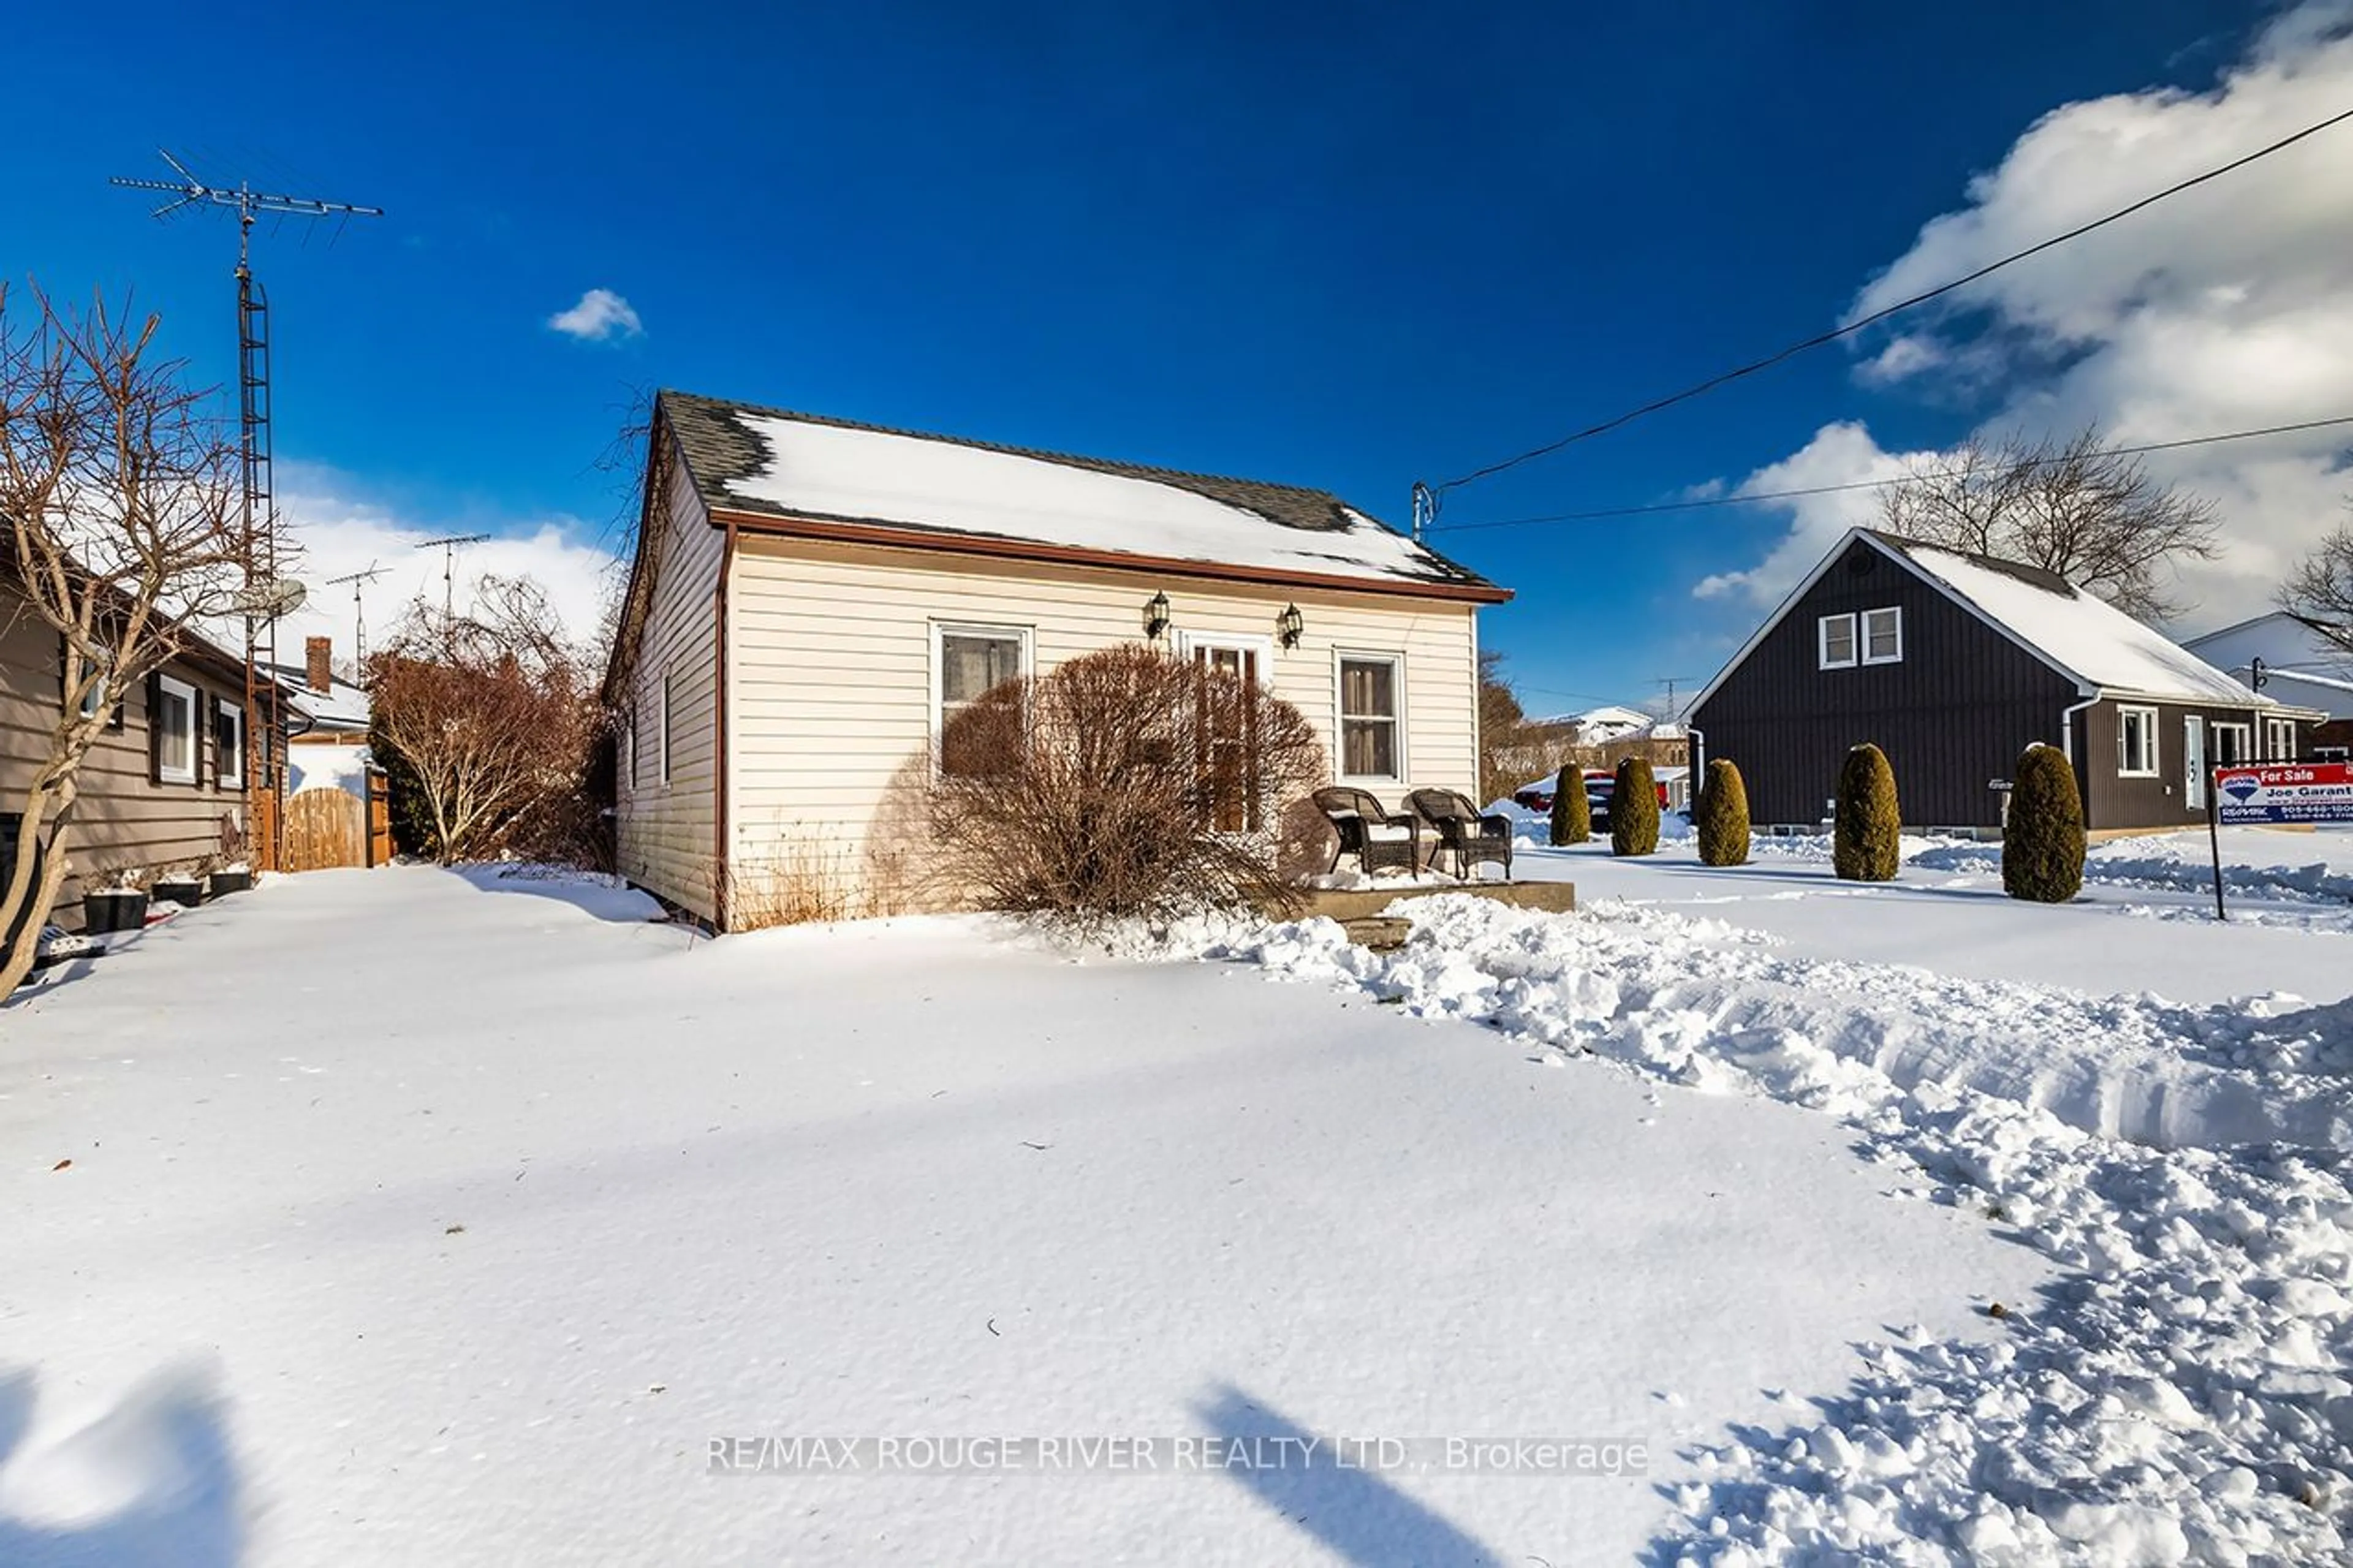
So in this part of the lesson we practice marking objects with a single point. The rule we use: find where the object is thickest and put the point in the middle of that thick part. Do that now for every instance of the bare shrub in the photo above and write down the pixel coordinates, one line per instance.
(1125, 782)
(805, 882)
(493, 720)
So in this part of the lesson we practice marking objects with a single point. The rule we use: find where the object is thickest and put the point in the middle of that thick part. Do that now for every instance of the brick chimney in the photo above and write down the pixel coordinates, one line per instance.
(318, 653)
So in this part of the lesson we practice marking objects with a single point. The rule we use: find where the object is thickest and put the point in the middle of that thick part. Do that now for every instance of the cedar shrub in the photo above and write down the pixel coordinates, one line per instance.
(1721, 815)
(1572, 815)
(1866, 842)
(2042, 844)
(1634, 809)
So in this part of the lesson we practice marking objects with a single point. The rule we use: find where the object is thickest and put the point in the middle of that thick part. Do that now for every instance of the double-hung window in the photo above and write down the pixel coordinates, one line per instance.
(1883, 635)
(228, 745)
(663, 735)
(173, 720)
(2279, 739)
(2136, 742)
(1835, 638)
(967, 663)
(1372, 738)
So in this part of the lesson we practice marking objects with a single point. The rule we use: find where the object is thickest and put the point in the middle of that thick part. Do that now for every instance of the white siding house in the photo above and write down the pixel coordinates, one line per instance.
(810, 598)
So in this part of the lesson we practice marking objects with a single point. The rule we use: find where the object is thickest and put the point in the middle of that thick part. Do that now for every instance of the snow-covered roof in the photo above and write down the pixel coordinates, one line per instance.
(2074, 630)
(771, 462)
(340, 706)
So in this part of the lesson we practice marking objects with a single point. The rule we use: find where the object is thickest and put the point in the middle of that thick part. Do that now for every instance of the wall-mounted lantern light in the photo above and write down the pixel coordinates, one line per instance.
(1289, 626)
(1155, 615)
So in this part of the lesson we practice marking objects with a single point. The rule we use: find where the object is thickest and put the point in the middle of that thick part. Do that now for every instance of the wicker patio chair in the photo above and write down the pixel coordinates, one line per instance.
(1462, 830)
(1378, 838)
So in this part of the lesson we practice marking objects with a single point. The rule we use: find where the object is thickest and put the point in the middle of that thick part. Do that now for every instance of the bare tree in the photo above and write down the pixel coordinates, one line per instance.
(2320, 587)
(493, 716)
(2075, 508)
(124, 529)
(1125, 782)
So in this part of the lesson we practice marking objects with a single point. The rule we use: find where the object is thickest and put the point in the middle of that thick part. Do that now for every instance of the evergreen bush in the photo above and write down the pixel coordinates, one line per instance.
(1721, 815)
(2042, 844)
(1634, 809)
(1572, 815)
(1866, 841)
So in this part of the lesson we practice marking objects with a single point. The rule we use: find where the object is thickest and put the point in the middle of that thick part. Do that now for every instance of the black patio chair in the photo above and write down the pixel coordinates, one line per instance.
(1462, 830)
(1381, 840)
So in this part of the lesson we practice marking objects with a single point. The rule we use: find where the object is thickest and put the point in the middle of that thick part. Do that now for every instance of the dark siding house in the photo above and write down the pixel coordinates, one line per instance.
(1953, 665)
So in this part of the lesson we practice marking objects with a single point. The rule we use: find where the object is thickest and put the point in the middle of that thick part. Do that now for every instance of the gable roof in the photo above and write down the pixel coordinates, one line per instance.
(340, 706)
(754, 463)
(2105, 652)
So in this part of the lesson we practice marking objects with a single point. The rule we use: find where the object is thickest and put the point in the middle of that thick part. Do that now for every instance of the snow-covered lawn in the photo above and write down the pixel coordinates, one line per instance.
(421, 1218)
(417, 1219)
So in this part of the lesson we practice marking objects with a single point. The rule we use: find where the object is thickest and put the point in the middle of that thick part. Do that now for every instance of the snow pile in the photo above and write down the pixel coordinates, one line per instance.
(2180, 1395)
(2180, 864)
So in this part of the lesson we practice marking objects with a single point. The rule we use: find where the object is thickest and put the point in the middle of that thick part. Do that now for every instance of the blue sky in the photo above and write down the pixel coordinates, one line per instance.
(1305, 246)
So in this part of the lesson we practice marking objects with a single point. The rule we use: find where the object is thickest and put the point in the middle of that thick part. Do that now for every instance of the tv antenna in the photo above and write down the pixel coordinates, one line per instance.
(1671, 682)
(448, 547)
(358, 580)
(259, 511)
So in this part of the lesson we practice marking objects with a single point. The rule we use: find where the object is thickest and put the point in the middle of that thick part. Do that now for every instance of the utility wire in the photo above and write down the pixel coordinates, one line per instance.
(1744, 498)
(1819, 339)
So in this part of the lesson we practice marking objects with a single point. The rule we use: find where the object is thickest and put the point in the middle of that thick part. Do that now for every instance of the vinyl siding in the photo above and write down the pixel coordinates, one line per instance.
(665, 832)
(2114, 800)
(829, 682)
(123, 820)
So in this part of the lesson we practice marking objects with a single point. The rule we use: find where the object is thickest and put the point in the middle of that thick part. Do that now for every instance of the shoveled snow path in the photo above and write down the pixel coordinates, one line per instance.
(2184, 1393)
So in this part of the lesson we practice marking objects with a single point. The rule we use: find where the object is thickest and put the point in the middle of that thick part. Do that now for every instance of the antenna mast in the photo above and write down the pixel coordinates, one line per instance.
(359, 616)
(260, 511)
(448, 547)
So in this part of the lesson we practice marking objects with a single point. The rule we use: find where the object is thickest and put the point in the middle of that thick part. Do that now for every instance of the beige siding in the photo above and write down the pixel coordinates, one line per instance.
(123, 820)
(666, 839)
(830, 686)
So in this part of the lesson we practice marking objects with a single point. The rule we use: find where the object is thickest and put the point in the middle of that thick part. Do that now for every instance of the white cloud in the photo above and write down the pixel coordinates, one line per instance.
(339, 531)
(600, 317)
(1841, 453)
(2228, 307)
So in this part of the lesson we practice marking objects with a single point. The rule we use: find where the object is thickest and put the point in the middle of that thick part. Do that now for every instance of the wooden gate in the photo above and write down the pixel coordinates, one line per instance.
(379, 818)
(325, 828)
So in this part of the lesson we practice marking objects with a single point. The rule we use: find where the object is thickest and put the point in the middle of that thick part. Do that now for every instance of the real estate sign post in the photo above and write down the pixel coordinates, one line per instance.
(2282, 792)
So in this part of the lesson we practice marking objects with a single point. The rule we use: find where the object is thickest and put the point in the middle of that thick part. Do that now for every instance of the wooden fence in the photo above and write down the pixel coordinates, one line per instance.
(325, 828)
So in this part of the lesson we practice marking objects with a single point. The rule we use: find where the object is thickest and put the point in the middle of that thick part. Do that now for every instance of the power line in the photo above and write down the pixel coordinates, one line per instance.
(1704, 503)
(1819, 339)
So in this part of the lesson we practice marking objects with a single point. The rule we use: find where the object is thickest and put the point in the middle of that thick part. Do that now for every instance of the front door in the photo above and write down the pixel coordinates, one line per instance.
(2193, 763)
(1225, 723)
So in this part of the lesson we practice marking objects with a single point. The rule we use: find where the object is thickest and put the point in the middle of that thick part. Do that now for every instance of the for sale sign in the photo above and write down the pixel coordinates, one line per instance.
(2286, 792)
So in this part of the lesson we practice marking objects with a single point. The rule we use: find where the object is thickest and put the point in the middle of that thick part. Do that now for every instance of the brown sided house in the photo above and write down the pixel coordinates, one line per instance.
(811, 597)
(163, 781)
(1953, 665)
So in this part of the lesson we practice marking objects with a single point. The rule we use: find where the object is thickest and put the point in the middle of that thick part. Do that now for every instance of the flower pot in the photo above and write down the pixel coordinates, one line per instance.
(184, 891)
(223, 883)
(112, 909)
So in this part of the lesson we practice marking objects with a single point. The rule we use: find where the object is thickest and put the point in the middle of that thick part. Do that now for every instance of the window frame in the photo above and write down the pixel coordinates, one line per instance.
(1853, 641)
(1862, 635)
(2149, 742)
(228, 762)
(1394, 658)
(662, 731)
(2243, 729)
(2279, 739)
(167, 690)
(940, 631)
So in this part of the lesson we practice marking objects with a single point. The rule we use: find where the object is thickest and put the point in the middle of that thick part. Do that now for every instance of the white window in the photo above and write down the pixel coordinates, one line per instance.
(1883, 635)
(2232, 746)
(173, 721)
(1372, 734)
(967, 663)
(627, 770)
(228, 745)
(2136, 742)
(1836, 639)
(2279, 739)
(661, 734)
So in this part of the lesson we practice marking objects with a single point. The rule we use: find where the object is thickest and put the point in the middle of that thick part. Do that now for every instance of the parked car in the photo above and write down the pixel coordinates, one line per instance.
(1600, 784)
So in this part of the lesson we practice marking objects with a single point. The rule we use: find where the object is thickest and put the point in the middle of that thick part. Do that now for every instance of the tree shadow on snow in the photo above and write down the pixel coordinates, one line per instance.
(153, 1481)
(593, 892)
(1353, 1512)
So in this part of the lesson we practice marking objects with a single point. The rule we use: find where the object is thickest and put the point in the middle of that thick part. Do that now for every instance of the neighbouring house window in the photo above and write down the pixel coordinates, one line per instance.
(968, 662)
(173, 721)
(1836, 636)
(663, 735)
(1371, 742)
(2232, 746)
(2136, 742)
(1883, 635)
(2279, 739)
(229, 746)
